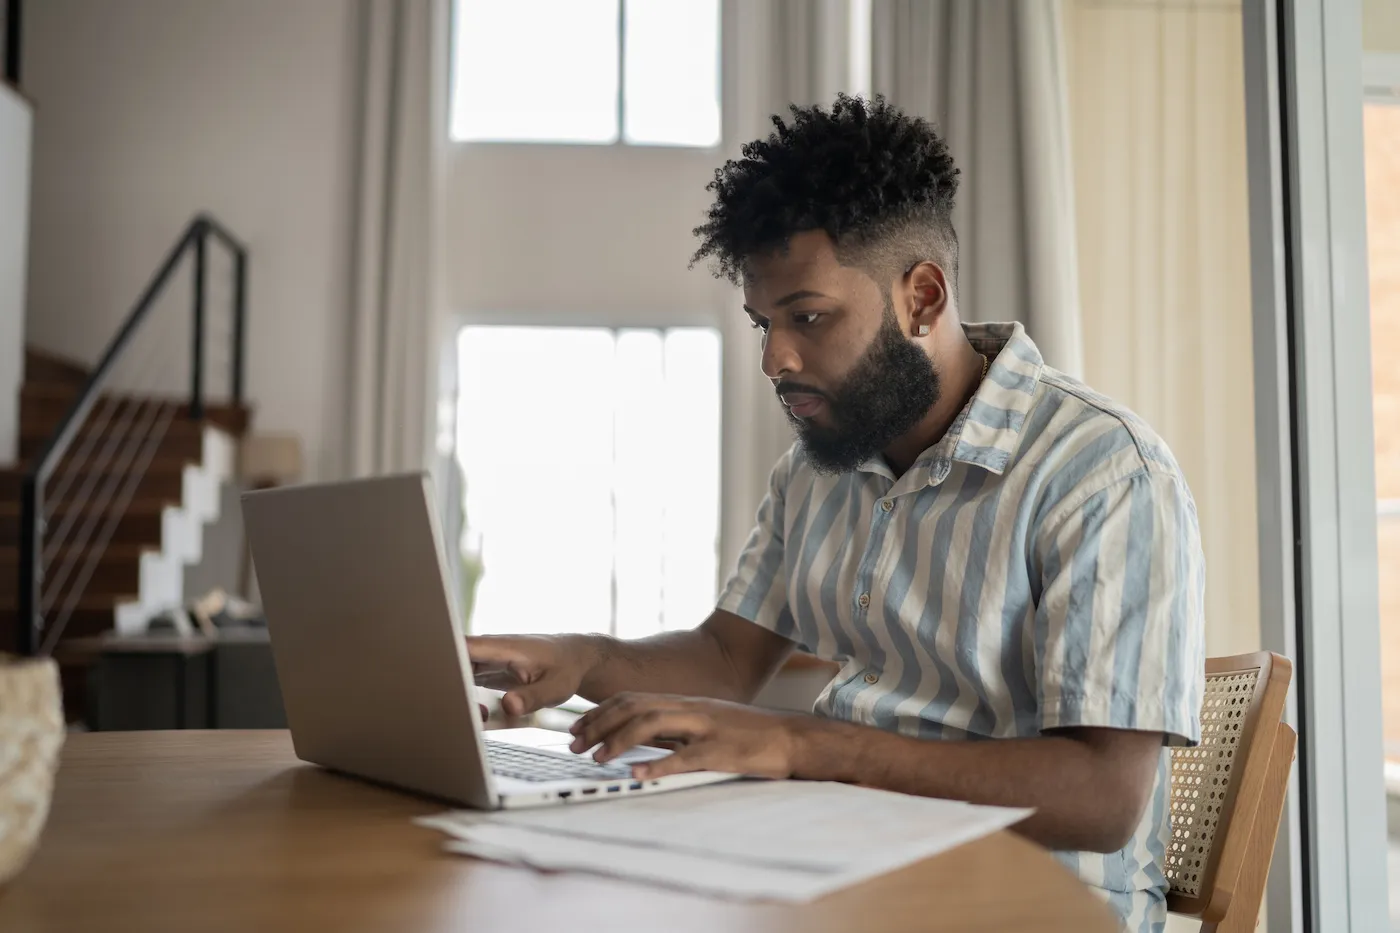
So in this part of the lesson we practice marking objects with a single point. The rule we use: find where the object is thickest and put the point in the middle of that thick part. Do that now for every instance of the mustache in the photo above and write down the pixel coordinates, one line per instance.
(796, 388)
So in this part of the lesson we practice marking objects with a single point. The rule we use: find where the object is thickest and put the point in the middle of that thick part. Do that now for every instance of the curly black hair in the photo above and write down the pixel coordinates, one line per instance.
(880, 182)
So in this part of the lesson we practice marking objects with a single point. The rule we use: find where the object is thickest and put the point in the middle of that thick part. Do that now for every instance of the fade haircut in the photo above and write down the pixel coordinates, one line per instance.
(881, 184)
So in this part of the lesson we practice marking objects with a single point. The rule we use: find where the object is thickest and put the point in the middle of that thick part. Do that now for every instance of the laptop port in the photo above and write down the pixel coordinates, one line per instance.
(589, 790)
(615, 788)
(635, 785)
(565, 794)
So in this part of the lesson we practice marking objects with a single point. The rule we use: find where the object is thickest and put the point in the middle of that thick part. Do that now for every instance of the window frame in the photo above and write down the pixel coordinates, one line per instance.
(620, 140)
(616, 321)
(1317, 506)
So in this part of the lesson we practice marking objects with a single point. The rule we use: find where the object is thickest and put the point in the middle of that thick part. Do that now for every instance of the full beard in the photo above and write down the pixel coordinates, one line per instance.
(890, 388)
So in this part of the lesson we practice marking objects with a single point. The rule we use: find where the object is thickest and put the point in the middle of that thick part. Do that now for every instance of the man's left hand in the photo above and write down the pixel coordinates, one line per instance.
(711, 735)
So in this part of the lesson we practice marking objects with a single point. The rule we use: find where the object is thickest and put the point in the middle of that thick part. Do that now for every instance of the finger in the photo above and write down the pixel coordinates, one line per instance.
(608, 707)
(609, 716)
(528, 698)
(693, 757)
(494, 653)
(646, 727)
(497, 680)
(485, 713)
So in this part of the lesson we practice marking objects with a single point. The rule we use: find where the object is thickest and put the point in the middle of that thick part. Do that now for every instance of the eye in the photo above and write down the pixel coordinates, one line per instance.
(806, 317)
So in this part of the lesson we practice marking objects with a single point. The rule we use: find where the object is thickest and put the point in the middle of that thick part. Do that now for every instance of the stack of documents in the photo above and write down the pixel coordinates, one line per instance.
(788, 841)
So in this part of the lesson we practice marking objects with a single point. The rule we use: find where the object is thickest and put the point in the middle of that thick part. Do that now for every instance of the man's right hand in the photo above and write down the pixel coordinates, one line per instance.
(536, 671)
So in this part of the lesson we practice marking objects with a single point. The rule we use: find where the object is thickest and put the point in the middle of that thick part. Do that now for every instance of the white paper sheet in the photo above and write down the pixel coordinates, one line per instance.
(774, 840)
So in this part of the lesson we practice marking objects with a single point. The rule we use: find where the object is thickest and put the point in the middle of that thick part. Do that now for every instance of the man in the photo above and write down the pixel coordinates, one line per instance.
(989, 549)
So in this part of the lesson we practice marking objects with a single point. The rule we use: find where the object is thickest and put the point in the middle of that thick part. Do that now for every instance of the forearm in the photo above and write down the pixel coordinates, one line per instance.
(726, 658)
(1085, 798)
(689, 663)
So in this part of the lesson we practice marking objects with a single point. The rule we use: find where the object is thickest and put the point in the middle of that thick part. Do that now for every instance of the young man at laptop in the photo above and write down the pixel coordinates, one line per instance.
(1005, 563)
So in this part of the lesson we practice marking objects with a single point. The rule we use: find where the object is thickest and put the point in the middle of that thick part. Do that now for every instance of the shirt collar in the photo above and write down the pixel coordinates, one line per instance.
(990, 425)
(988, 429)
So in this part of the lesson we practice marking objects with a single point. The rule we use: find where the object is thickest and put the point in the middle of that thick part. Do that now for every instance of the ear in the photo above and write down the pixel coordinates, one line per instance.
(928, 297)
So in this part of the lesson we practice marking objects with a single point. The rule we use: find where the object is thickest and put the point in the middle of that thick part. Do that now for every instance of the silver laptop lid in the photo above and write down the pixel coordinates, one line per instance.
(365, 637)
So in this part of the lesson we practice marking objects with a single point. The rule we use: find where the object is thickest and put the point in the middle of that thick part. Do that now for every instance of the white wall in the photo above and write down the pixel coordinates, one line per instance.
(15, 125)
(149, 111)
(589, 233)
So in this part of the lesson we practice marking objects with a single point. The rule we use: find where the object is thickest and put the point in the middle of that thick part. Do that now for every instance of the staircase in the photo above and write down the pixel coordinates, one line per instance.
(125, 482)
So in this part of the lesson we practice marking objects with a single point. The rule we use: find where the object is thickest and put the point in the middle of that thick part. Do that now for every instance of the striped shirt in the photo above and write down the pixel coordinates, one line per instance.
(1039, 567)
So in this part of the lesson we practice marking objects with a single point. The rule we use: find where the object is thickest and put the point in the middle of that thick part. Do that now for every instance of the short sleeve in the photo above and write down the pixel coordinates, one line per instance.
(1119, 626)
(757, 591)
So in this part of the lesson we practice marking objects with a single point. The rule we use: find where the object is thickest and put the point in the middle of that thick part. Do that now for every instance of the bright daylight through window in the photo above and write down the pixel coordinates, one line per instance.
(645, 72)
(592, 483)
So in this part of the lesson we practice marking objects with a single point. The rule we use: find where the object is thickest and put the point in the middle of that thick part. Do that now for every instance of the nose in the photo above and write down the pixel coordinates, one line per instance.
(779, 356)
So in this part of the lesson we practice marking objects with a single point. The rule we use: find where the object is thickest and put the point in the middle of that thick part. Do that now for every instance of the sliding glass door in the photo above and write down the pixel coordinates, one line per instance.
(1316, 453)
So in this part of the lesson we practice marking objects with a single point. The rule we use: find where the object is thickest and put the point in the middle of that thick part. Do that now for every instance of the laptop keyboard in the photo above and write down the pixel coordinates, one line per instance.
(533, 764)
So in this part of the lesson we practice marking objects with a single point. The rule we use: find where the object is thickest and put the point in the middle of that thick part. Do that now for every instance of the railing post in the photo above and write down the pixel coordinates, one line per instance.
(197, 327)
(240, 310)
(13, 31)
(31, 570)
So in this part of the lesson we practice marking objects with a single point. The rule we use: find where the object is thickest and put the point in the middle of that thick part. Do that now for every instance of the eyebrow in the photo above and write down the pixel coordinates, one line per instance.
(790, 298)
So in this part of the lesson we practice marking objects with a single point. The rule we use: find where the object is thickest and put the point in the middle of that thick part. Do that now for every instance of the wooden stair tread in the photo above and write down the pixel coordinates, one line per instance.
(86, 603)
(41, 366)
(44, 405)
(55, 390)
(185, 426)
(9, 554)
(137, 507)
(157, 465)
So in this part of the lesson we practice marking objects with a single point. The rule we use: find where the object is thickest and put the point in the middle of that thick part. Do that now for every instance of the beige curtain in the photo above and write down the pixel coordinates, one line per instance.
(991, 75)
(396, 325)
(785, 52)
(1157, 101)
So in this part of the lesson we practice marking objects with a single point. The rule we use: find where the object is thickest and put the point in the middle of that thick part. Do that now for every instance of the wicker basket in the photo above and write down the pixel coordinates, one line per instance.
(31, 734)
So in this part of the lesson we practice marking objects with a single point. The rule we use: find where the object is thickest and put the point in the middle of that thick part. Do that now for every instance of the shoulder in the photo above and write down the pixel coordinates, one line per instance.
(1093, 445)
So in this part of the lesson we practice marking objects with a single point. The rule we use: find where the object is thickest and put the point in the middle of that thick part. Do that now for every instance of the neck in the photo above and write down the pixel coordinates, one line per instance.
(959, 378)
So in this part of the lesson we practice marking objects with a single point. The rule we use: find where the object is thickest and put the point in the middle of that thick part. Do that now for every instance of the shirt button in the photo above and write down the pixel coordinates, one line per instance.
(887, 505)
(872, 678)
(864, 600)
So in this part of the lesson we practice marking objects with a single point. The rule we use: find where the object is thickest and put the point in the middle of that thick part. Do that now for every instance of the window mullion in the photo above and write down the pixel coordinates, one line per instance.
(621, 72)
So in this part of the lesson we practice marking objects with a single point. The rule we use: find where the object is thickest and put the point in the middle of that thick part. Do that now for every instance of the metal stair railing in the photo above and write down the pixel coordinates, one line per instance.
(94, 474)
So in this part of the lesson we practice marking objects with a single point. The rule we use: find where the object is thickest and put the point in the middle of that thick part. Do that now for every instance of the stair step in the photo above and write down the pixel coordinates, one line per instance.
(163, 479)
(40, 366)
(43, 406)
(139, 524)
(93, 615)
(182, 440)
(118, 569)
(145, 422)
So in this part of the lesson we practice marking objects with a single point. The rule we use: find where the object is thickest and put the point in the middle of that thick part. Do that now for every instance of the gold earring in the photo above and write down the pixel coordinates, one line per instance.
(924, 330)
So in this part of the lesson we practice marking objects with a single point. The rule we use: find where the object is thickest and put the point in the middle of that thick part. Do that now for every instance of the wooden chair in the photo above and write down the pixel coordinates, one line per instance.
(1227, 793)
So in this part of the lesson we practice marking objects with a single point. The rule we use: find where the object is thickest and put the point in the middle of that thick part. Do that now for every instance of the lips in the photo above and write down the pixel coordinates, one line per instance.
(802, 404)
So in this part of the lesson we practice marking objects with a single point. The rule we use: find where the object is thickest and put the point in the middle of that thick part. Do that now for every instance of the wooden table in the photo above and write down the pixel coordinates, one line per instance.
(196, 831)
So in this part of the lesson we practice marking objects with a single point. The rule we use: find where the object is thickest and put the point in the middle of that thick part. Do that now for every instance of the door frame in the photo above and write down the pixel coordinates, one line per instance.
(1315, 450)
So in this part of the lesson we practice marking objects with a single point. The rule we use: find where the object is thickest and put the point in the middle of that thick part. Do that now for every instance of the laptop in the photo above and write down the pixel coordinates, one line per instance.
(372, 664)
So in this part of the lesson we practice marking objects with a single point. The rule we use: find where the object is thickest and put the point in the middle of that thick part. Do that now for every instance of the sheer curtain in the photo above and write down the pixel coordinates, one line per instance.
(1157, 94)
(781, 52)
(991, 75)
(396, 327)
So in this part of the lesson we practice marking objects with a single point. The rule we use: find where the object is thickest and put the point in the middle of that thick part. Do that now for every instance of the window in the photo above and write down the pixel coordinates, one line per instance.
(1382, 149)
(644, 72)
(591, 462)
(1383, 242)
